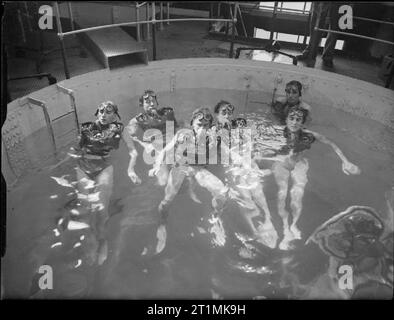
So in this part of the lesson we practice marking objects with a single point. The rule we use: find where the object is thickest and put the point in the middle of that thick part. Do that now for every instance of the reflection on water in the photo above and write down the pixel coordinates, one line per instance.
(208, 258)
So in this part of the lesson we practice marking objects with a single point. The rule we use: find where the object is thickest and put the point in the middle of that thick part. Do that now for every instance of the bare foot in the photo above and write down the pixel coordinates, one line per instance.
(296, 232)
(102, 252)
(161, 235)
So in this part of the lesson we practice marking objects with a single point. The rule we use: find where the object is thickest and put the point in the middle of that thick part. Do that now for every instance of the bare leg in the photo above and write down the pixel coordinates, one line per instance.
(175, 179)
(299, 177)
(248, 208)
(174, 183)
(104, 188)
(219, 191)
(84, 187)
(215, 186)
(267, 231)
(282, 179)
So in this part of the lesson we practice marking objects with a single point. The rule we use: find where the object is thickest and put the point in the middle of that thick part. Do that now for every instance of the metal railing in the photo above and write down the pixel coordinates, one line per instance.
(48, 121)
(152, 22)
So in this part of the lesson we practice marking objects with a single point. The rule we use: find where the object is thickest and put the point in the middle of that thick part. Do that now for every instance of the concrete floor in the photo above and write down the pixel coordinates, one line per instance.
(177, 40)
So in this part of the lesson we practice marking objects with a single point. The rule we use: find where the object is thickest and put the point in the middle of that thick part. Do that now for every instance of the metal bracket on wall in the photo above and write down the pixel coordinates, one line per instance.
(71, 94)
(41, 104)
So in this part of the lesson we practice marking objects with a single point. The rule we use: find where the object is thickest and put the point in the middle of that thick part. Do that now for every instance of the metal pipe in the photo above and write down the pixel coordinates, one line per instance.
(373, 20)
(70, 13)
(161, 16)
(148, 25)
(134, 23)
(60, 34)
(355, 35)
(47, 120)
(70, 93)
(137, 18)
(140, 4)
(273, 20)
(38, 75)
(28, 16)
(307, 28)
(154, 30)
(168, 13)
(242, 20)
(21, 25)
(232, 32)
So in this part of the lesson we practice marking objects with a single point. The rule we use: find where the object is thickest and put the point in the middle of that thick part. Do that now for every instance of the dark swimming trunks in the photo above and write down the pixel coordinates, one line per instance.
(96, 142)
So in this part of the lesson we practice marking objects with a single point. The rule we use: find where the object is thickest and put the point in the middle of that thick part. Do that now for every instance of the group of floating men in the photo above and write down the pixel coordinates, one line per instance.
(243, 172)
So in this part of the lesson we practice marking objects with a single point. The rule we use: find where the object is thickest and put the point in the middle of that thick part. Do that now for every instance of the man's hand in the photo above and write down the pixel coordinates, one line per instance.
(133, 176)
(350, 168)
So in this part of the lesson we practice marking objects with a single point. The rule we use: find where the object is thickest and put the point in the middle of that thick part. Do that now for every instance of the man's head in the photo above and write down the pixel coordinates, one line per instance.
(293, 92)
(224, 111)
(107, 112)
(201, 117)
(148, 100)
(296, 117)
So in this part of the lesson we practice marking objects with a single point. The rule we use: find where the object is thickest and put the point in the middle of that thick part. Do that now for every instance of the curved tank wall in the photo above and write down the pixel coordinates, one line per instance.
(28, 144)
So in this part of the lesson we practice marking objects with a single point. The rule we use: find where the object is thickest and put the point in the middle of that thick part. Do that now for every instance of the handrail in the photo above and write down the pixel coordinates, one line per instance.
(373, 20)
(354, 35)
(41, 104)
(107, 26)
(51, 79)
(71, 94)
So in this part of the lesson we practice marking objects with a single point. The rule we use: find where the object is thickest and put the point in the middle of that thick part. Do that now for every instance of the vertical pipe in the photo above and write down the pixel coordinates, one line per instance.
(22, 26)
(112, 15)
(59, 29)
(307, 28)
(242, 20)
(161, 16)
(74, 107)
(273, 20)
(70, 13)
(147, 25)
(137, 18)
(210, 16)
(154, 30)
(232, 33)
(168, 12)
(28, 16)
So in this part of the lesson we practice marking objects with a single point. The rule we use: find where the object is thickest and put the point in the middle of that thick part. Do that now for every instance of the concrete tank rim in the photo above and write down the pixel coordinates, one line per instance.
(222, 62)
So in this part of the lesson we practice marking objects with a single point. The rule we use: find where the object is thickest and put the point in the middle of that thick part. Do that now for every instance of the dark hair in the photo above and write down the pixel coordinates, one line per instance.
(220, 104)
(296, 84)
(296, 108)
(148, 92)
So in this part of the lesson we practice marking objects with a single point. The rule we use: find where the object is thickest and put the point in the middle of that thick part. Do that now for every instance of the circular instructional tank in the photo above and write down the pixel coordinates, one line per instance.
(40, 128)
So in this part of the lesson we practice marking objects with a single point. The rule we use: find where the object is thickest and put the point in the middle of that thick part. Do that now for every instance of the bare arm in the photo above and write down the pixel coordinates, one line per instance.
(160, 157)
(130, 131)
(347, 166)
